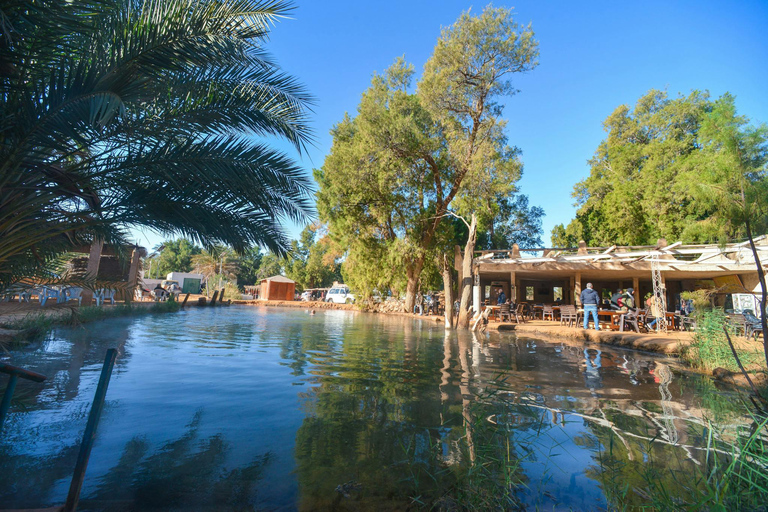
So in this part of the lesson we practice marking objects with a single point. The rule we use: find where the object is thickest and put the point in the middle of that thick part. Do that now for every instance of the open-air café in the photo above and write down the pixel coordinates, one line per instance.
(635, 284)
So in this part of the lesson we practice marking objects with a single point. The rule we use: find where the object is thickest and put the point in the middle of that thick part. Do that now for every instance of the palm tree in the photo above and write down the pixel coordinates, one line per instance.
(121, 113)
(216, 261)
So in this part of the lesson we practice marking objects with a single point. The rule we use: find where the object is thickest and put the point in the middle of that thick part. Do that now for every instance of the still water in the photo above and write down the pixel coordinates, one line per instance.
(247, 408)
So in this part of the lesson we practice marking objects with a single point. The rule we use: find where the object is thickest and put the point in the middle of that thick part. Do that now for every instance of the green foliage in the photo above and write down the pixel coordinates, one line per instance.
(271, 265)
(685, 169)
(514, 222)
(248, 267)
(311, 262)
(176, 256)
(123, 113)
(709, 348)
(406, 159)
(217, 282)
(218, 266)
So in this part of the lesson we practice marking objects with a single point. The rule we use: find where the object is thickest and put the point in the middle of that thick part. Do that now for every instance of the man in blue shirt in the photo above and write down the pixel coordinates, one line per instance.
(590, 299)
(502, 299)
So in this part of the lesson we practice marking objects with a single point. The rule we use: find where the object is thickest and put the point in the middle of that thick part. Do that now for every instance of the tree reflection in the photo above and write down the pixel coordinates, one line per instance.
(184, 474)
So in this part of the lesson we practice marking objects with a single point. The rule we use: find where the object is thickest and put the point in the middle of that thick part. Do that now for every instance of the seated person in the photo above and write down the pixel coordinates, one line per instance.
(501, 299)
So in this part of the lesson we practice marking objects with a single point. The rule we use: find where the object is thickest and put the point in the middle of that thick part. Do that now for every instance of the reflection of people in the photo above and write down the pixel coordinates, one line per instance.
(590, 299)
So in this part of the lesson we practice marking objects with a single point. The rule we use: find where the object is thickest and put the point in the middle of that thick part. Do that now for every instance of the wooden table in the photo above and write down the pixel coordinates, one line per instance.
(611, 317)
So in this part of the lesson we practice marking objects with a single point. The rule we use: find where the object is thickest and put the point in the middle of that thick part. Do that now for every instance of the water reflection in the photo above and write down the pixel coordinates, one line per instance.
(247, 409)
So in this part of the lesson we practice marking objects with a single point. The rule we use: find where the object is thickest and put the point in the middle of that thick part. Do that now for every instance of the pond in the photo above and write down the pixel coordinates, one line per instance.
(248, 408)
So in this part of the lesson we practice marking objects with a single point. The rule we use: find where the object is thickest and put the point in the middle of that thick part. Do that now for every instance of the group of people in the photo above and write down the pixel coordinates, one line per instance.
(621, 300)
(429, 304)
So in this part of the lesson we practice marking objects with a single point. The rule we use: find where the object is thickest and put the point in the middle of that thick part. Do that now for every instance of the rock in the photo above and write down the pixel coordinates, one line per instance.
(721, 373)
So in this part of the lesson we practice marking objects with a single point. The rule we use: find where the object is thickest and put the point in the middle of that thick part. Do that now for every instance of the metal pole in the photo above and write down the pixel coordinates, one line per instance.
(90, 432)
(6, 404)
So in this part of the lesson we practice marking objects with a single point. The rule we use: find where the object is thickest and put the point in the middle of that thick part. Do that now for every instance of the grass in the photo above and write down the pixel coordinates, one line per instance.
(732, 474)
(36, 326)
(710, 349)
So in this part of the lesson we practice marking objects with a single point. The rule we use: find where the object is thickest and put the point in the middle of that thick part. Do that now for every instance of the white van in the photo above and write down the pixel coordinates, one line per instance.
(339, 295)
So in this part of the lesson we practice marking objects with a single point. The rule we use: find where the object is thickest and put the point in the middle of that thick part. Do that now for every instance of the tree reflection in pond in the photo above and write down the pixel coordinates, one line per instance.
(184, 474)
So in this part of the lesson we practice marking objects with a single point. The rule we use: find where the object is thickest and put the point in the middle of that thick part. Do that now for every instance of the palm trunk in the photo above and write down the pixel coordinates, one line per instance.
(466, 272)
(764, 295)
(448, 287)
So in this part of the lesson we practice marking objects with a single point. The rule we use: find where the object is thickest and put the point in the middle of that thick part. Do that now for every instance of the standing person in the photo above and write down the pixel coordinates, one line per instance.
(590, 299)
(502, 298)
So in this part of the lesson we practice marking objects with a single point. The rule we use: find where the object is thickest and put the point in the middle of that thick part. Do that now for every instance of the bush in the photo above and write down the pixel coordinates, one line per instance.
(710, 348)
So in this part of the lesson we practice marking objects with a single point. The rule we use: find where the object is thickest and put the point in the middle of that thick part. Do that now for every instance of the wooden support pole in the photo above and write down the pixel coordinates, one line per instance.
(133, 275)
(577, 288)
(90, 432)
(221, 296)
(636, 287)
(513, 287)
(92, 271)
(213, 299)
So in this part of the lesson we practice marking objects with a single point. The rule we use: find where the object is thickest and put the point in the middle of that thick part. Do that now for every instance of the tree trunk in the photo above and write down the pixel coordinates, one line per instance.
(764, 295)
(448, 287)
(413, 273)
(466, 272)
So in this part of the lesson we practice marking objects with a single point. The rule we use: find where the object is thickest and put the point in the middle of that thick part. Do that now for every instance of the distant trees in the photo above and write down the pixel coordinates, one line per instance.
(687, 168)
(175, 256)
(407, 158)
(311, 262)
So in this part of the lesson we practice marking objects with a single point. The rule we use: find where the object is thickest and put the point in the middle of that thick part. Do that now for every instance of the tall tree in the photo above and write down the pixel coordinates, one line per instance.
(730, 177)
(144, 113)
(645, 177)
(396, 168)
(177, 256)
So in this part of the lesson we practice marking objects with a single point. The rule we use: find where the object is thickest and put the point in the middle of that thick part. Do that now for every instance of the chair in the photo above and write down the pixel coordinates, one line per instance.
(48, 293)
(568, 314)
(72, 293)
(520, 313)
(631, 317)
(547, 311)
(104, 294)
(753, 326)
(504, 311)
(738, 323)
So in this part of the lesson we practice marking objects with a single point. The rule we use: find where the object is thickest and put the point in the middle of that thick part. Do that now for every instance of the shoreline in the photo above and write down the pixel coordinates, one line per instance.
(669, 345)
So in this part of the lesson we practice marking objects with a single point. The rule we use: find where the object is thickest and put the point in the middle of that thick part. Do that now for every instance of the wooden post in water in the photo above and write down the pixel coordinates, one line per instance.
(14, 372)
(213, 299)
(185, 301)
(221, 296)
(90, 432)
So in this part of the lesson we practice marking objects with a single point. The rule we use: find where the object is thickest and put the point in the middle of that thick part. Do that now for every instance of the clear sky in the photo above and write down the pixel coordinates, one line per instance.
(594, 56)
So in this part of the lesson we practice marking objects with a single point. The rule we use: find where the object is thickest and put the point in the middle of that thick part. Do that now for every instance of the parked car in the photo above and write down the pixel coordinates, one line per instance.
(340, 295)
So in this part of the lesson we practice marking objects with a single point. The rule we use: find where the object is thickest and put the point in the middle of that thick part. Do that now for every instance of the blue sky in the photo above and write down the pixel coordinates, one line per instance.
(594, 57)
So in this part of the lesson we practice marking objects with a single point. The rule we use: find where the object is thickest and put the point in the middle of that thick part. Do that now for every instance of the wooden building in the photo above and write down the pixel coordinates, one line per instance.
(559, 275)
(277, 288)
